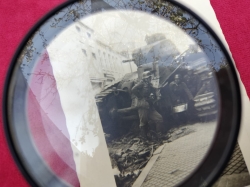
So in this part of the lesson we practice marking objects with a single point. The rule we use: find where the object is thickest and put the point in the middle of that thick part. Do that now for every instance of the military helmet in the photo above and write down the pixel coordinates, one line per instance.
(177, 76)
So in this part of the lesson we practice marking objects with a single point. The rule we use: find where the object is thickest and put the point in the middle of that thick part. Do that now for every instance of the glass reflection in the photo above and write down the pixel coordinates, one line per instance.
(111, 96)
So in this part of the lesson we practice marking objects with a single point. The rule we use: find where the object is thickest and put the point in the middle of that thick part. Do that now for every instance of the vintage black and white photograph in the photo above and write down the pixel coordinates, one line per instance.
(123, 95)
(155, 98)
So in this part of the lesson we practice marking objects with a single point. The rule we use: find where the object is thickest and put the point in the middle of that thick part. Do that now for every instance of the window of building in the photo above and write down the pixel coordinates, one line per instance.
(93, 54)
(78, 28)
(84, 52)
(114, 62)
(105, 60)
(110, 63)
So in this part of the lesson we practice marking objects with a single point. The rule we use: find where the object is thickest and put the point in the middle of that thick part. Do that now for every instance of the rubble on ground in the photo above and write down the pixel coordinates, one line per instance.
(130, 153)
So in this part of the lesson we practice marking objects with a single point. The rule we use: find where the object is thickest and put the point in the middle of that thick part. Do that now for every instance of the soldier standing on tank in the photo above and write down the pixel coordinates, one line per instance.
(145, 92)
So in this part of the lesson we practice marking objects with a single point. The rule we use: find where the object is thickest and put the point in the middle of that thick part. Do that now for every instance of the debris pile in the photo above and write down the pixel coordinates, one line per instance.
(129, 154)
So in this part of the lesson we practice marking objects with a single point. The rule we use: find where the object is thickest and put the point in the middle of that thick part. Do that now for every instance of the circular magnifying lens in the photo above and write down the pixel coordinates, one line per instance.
(112, 93)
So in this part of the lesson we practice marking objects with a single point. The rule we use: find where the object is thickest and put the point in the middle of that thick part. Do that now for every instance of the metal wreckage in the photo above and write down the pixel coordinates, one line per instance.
(118, 106)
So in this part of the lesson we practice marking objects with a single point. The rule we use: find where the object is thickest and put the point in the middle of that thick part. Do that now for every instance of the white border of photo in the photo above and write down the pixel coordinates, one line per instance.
(204, 9)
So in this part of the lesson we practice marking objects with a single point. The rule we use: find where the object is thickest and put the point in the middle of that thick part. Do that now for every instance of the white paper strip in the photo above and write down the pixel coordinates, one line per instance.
(70, 68)
(204, 9)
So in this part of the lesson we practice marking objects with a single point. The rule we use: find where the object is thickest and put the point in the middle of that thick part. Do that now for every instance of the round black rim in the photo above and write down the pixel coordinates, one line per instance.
(226, 134)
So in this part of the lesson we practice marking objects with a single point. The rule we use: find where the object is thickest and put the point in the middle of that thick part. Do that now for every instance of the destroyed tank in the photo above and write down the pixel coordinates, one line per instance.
(117, 106)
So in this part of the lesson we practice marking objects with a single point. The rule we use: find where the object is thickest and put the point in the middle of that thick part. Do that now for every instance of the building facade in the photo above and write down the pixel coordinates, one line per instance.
(106, 66)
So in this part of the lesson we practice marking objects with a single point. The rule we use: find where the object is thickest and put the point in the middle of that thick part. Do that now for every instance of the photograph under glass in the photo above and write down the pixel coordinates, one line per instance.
(120, 97)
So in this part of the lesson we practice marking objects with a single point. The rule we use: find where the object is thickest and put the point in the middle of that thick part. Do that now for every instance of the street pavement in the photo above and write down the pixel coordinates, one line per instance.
(177, 159)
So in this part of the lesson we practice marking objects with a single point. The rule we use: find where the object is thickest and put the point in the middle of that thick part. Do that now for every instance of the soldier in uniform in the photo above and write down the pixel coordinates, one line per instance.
(179, 91)
(145, 92)
(180, 94)
(192, 81)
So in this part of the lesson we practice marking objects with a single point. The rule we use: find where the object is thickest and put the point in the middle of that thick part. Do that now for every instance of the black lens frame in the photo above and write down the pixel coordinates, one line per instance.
(226, 134)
